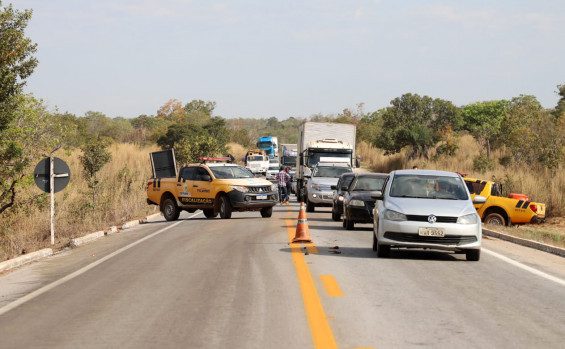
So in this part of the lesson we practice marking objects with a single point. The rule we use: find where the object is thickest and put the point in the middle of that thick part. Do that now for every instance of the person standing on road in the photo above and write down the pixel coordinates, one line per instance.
(288, 184)
(282, 178)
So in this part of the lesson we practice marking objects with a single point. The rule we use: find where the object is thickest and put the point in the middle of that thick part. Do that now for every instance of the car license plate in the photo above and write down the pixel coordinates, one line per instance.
(438, 232)
(261, 197)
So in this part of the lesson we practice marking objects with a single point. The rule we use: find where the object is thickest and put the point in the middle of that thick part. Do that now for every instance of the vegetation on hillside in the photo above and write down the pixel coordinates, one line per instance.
(515, 141)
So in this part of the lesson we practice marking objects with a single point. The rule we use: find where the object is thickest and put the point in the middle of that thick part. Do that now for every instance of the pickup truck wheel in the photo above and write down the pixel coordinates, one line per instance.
(225, 207)
(266, 212)
(170, 209)
(495, 219)
(210, 213)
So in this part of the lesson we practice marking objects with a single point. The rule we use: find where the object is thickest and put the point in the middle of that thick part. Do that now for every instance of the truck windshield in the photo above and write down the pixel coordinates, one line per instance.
(229, 172)
(264, 144)
(289, 160)
(428, 187)
(255, 158)
(330, 171)
(314, 158)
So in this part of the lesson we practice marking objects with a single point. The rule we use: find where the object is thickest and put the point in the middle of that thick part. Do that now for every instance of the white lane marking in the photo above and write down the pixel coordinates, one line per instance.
(81, 271)
(525, 267)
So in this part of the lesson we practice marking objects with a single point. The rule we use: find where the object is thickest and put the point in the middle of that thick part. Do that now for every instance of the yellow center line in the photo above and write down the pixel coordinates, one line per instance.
(332, 288)
(319, 327)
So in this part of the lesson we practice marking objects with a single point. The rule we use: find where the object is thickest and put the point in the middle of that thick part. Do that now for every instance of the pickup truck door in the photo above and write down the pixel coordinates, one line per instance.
(200, 188)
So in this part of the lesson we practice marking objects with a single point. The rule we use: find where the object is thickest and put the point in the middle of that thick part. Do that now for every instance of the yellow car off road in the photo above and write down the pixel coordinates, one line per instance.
(499, 210)
(213, 187)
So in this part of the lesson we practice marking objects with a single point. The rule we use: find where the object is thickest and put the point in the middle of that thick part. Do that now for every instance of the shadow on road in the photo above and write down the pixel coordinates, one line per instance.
(367, 252)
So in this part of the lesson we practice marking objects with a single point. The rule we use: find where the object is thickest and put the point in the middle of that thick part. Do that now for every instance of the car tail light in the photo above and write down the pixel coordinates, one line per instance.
(150, 183)
(534, 208)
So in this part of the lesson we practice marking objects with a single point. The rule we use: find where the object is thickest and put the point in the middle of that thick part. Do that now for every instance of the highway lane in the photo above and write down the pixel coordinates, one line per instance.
(234, 283)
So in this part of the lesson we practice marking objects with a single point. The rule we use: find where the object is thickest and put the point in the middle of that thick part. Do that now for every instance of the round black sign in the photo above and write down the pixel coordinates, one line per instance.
(61, 171)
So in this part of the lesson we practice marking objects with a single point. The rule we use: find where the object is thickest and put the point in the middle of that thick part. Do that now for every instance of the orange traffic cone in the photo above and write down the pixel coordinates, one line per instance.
(302, 231)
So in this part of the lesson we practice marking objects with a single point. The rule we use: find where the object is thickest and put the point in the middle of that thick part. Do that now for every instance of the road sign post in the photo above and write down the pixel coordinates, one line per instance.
(52, 175)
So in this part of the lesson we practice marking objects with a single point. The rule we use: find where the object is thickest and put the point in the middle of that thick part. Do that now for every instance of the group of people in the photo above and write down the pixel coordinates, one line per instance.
(284, 181)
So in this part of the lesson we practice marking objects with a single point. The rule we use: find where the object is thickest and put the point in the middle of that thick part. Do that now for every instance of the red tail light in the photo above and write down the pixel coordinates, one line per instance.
(534, 208)
(150, 183)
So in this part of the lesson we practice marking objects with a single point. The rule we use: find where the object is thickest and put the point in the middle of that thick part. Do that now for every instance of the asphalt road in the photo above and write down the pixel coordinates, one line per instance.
(238, 283)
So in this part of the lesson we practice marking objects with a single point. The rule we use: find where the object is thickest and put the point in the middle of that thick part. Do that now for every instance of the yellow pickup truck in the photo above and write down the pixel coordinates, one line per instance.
(211, 186)
(499, 210)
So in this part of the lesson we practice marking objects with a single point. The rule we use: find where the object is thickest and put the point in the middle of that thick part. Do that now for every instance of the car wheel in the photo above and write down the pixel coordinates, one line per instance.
(495, 219)
(210, 213)
(349, 224)
(310, 206)
(170, 209)
(473, 255)
(225, 207)
(335, 216)
(383, 251)
(266, 212)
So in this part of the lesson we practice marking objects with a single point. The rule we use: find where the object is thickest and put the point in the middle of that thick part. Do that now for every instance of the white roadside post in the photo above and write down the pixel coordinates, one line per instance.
(57, 182)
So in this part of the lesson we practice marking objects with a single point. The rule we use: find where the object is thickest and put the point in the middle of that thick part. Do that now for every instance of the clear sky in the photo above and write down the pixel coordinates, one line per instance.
(291, 58)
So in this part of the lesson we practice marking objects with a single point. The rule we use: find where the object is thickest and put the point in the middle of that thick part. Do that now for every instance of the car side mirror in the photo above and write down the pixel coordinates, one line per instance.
(358, 161)
(343, 188)
(333, 187)
(479, 199)
(378, 195)
(206, 178)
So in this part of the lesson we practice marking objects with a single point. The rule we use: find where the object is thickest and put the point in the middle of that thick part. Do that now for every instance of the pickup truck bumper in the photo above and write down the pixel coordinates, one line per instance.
(252, 201)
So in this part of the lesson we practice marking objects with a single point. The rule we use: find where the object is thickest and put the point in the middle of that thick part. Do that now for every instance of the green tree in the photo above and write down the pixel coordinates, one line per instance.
(32, 134)
(198, 112)
(189, 150)
(241, 136)
(95, 157)
(560, 108)
(484, 120)
(216, 128)
(178, 132)
(415, 122)
(16, 60)
(120, 130)
(531, 133)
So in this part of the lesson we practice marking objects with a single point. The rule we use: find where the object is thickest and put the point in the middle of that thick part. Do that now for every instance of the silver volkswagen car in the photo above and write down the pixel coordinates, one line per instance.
(426, 209)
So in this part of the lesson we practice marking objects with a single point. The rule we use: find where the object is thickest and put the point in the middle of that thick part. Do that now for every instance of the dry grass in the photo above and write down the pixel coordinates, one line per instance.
(237, 151)
(541, 185)
(121, 197)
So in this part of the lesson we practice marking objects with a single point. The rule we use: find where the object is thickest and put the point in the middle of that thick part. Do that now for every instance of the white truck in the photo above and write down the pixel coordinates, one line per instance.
(325, 141)
(257, 163)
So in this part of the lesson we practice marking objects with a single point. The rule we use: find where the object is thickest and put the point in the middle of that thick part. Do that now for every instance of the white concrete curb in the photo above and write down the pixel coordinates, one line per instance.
(87, 238)
(153, 216)
(26, 258)
(23, 259)
(524, 242)
(130, 224)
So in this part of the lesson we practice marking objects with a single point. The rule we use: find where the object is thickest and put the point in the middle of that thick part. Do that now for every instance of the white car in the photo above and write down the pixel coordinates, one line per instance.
(428, 210)
(319, 187)
(272, 172)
